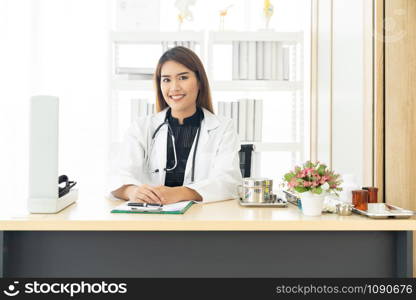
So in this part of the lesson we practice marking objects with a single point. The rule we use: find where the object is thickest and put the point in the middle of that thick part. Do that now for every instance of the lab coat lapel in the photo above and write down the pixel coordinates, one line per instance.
(160, 146)
(208, 126)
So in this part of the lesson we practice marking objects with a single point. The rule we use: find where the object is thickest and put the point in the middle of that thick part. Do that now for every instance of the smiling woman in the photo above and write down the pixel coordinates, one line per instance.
(184, 152)
(179, 89)
(182, 61)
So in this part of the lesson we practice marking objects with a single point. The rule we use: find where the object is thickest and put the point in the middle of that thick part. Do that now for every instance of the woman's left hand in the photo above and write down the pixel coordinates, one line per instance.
(168, 194)
(175, 194)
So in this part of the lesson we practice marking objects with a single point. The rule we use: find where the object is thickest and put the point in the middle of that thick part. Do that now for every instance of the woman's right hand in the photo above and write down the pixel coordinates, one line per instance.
(143, 193)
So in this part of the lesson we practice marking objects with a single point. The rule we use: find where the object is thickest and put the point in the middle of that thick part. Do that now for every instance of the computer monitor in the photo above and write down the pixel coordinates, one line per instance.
(44, 157)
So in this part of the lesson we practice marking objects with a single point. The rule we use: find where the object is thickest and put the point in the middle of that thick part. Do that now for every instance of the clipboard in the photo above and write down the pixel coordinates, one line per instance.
(178, 208)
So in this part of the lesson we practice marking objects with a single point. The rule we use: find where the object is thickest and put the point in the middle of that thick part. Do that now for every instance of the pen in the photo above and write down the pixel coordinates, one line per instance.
(141, 204)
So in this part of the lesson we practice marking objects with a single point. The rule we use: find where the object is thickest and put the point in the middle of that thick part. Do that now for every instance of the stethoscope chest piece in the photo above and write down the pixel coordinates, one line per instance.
(171, 134)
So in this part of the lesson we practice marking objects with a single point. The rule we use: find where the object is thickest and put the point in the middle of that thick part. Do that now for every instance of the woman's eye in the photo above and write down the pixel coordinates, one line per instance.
(183, 77)
(165, 80)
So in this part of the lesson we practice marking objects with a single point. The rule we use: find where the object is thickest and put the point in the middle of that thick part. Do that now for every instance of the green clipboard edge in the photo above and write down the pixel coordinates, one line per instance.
(175, 212)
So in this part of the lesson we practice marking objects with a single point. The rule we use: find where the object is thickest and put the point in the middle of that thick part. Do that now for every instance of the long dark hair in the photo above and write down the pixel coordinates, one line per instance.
(189, 59)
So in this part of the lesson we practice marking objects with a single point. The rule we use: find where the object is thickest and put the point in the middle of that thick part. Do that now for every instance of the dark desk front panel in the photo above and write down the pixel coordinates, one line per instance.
(206, 254)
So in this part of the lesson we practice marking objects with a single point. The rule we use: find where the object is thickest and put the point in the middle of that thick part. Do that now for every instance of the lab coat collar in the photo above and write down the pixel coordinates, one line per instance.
(209, 123)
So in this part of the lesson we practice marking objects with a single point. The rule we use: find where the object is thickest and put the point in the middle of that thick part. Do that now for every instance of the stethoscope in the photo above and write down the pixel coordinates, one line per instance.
(170, 132)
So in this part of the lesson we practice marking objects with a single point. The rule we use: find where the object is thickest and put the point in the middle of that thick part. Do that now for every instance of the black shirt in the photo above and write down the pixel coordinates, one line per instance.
(184, 137)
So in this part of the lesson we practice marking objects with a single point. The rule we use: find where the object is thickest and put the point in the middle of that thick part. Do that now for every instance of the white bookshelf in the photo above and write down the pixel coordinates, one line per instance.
(294, 84)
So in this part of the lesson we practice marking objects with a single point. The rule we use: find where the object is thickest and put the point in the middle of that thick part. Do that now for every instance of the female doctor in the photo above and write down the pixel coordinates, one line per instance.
(184, 152)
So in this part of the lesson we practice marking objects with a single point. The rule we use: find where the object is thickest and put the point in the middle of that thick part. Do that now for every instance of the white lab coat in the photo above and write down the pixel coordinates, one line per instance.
(217, 170)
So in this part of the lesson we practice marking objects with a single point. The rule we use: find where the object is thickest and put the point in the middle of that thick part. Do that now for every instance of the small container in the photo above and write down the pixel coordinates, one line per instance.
(344, 209)
(372, 194)
(256, 190)
(360, 199)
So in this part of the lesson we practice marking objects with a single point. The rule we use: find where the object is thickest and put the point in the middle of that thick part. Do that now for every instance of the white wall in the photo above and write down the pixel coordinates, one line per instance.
(348, 88)
(56, 48)
(340, 88)
(324, 81)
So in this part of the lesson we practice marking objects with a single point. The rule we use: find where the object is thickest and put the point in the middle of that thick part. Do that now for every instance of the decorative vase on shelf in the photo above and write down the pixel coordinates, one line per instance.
(312, 204)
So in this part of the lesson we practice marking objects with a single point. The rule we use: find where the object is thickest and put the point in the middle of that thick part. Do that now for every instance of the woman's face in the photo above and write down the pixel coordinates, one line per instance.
(179, 87)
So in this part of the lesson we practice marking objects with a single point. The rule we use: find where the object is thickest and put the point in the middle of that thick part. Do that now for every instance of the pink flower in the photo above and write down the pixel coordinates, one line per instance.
(323, 179)
(307, 183)
(293, 183)
(309, 171)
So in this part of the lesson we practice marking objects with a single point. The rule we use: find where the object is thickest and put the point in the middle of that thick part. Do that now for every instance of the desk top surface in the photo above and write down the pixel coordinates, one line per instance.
(93, 213)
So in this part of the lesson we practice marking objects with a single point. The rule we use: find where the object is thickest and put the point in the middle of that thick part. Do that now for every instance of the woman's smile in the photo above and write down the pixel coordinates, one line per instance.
(177, 97)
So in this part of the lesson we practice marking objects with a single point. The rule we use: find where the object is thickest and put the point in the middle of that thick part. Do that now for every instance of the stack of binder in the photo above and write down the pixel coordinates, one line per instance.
(261, 60)
(247, 115)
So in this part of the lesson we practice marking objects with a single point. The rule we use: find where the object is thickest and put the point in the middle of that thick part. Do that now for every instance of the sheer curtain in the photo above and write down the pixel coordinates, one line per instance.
(54, 47)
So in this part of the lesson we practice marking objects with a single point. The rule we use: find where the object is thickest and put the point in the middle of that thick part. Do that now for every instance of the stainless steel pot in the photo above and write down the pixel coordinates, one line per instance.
(256, 190)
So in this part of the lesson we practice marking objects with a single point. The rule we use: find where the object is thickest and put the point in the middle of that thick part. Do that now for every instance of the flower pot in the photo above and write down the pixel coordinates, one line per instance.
(312, 204)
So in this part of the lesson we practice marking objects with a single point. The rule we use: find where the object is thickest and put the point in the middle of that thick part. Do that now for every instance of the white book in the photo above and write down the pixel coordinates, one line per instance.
(267, 61)
(135, 109)
(258, 120)
(148, 109)
(252, 60)
(279, 62)
(250, 120)
(242, 119)
(220, 108)
(234, 114)
(143, 108)
(243, 59)
(227, 112)
(274, 61)
(259, 60)
(236, 60)
(286, 63)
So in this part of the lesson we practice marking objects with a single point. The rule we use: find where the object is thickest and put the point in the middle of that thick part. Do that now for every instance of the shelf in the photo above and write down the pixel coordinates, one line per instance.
(236, 85)
(258, 146)
(156, 36)
(229, 36)
(215, 36)
(256, 85)
(271, 147)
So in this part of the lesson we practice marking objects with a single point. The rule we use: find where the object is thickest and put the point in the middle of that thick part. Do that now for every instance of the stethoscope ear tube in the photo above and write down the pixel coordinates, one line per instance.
(170, 132)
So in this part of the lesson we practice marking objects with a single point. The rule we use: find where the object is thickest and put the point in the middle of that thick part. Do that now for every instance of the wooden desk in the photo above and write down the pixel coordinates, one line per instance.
(210, 240)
